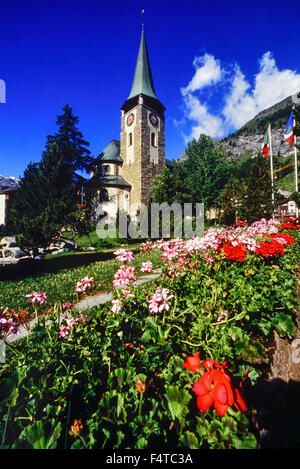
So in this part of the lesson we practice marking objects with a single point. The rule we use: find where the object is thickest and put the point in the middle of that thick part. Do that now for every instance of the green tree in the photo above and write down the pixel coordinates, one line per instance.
(207, 171)
(69, 140)
(257, 201)
(171, 186)
(48, 195)
(231, 200)
(240, 168)
(27, 200)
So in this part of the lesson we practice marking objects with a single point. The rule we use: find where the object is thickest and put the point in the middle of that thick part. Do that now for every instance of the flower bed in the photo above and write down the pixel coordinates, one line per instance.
(168, 365)
(60, 287)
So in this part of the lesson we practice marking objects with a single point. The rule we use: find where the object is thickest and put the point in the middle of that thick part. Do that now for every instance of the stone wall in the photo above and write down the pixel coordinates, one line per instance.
(151, 169)
(141, 171)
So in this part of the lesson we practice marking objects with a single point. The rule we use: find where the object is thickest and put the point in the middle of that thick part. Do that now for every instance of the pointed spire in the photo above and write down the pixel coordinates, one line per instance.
(143, 81)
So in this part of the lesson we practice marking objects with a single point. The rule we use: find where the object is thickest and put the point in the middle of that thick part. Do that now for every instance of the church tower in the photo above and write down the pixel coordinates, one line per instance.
(142, 133)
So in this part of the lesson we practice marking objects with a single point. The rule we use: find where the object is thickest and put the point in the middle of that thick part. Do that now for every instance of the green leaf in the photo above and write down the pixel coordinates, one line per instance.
(9, 391)
(284, 325)
(265, 326)
(189, 440)
(177, 401)
(39, 437)
(249, 442)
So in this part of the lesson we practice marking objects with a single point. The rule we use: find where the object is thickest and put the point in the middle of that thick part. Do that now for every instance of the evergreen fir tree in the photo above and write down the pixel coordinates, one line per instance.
(257, 201)
(48, 195)
(70, 141)
(231, 199)
(27, 200)
(207, 171)
(171, 186)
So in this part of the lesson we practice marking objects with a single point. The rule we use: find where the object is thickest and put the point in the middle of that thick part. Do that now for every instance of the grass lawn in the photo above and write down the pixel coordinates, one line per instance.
(94, 240)
(60, 286)
(287, 183)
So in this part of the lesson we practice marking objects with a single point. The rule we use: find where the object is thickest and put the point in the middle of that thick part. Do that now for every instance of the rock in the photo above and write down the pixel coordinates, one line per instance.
(60, 251)
(53, 246)
(8, 261)
(40, 257)
(14, 252)
(9, 242)
(67, 244)
(237, 145)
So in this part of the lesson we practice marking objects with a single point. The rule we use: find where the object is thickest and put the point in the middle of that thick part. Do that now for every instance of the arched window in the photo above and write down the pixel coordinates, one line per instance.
(105, 170)
(130, 139)
(103, 195)
(153, 139)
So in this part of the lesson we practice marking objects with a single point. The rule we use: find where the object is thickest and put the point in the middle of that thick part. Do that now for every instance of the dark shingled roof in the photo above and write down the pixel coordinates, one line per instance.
(111, 153)
(109, 181)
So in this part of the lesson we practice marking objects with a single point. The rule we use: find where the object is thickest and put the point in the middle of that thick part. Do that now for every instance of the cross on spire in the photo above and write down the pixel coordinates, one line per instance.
(142, 13)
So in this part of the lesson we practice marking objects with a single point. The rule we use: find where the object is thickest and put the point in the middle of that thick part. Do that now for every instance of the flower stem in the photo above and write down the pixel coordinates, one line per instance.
(140, 404)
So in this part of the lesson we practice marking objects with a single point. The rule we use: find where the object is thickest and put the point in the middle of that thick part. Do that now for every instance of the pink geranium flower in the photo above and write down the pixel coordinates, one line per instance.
(84, 285)
(160, 300)
(146, 267)
(123, 255)
(64, 329)
(124, 276)
(116, 306)
(7, 325)
(67, 306)
(37, 297)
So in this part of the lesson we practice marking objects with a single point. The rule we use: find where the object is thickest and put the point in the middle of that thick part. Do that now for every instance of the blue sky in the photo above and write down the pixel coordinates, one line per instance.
(214, 64)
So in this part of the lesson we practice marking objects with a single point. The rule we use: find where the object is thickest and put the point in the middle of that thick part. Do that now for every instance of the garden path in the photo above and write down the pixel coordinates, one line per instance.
(101, 298)
(83, 305)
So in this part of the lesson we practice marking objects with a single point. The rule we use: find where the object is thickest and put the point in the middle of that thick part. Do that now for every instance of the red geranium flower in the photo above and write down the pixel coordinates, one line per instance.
(270, 248)
(129, 345)
(192, 363)
(209, 364)
(215, 389)
(287, 237)
(239, 401)
(241, 223)
(235, 253)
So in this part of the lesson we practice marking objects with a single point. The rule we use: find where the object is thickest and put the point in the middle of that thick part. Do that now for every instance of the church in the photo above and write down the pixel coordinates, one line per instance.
(125, 169)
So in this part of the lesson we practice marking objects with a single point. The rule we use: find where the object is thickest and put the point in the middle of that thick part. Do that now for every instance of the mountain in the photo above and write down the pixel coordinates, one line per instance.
(249, 138)
(8, 182)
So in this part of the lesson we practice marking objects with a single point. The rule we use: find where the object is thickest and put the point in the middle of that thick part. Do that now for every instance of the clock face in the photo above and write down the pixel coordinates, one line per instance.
(153, 119)
(130, 119)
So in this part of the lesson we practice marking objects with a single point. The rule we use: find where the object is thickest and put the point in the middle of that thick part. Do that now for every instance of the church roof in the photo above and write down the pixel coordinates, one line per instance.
(111, 153)
(169, 163)
(109, 181)
(143, 81)
(115, 181)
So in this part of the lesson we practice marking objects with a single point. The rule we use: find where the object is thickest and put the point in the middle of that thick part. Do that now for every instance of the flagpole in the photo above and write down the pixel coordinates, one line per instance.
(271, 164)
(296, 164)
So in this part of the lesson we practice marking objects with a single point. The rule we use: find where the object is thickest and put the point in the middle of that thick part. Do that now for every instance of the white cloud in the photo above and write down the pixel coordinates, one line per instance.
(206, 123)
(273, 85)
(241, 103)
(208, 72)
